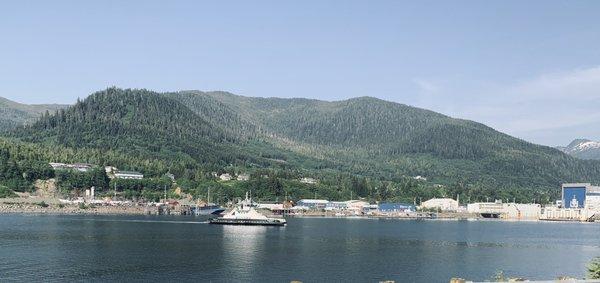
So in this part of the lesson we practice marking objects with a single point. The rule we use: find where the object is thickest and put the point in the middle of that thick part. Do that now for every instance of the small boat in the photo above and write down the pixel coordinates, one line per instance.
(209, 208)
(247, 215)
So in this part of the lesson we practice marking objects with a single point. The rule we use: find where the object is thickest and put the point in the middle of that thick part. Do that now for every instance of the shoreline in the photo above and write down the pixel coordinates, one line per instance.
(59, 209)
(51, 206)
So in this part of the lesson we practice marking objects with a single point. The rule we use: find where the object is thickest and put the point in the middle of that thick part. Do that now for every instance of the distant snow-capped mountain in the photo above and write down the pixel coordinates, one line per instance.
(583, 148)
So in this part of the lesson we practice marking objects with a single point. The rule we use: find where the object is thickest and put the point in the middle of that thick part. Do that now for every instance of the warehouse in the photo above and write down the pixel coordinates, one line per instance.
(581, 195)
(313, 203)
(443, 204)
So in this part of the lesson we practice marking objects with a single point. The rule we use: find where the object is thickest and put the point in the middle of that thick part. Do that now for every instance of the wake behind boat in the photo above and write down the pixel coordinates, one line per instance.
(245, 214)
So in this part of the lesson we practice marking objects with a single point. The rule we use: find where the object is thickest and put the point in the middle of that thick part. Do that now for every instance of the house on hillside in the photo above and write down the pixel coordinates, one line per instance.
(243, 177)
(225, 177)
(306, 180)
(420, 178)
(132, 175)
(81, 167)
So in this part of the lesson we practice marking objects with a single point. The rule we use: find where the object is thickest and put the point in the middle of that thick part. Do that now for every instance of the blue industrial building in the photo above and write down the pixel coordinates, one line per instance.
(396, 207)
(574, 195)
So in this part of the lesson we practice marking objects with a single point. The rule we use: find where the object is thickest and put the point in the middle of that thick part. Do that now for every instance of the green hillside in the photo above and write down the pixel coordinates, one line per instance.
(373, 137)
(365, 145)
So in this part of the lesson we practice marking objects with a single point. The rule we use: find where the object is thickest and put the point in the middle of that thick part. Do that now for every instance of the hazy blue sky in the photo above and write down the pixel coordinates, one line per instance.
(527, 68)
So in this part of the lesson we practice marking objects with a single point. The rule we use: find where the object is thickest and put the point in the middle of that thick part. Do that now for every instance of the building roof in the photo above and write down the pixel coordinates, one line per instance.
(440, 200)
(317, 201)
(129, 173)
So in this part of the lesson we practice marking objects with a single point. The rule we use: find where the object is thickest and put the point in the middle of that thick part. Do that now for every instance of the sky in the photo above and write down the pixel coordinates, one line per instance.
(530, 69)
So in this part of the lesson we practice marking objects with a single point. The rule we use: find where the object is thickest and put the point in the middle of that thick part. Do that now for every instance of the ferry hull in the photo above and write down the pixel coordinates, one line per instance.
(222, 221)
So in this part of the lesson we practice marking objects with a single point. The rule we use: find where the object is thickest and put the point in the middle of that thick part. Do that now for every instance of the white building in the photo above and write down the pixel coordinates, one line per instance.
(336, 205)
(225, 177)
(356, 205)
(81, 167)
(110, 169)
(243, 177)
(129, 175)
(58, 166)
(485, 207)
(313, 203)
(420, 178)
(444, 204)
(308, 181)
(531, 211)
(270, 206)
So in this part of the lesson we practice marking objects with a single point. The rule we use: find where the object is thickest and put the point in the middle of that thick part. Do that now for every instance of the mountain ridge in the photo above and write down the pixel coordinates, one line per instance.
(14, 114)
(364, 136)
(583, 149)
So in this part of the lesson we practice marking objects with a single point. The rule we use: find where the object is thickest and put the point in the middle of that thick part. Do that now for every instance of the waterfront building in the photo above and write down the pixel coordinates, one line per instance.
(485, 207)
(370, 209)
(498, 209)
(313, 203)
(396, 207)
(580, 195)
(336, 205)
(444, 204)
(530, 211)
(356, 205)
(579, 202)
(269, 206)
(129, 175)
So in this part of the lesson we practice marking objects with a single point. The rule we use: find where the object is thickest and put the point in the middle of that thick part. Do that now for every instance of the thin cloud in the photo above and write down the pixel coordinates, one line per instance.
(549, 102)
(426, 85)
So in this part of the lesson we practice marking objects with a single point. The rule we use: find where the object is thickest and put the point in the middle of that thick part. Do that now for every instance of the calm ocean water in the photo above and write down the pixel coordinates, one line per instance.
(180, 248)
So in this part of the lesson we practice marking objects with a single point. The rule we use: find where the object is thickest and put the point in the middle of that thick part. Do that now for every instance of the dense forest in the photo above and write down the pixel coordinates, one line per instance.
(363, 147)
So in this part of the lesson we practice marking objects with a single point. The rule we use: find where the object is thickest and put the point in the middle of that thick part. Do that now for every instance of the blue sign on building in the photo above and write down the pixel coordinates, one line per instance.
(574, 197)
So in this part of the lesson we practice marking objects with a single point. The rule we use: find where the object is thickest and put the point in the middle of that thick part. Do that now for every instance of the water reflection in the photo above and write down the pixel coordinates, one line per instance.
(242, 247)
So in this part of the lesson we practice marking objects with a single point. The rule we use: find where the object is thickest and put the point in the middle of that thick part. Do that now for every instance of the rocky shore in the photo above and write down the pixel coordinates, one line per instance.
(48, 206)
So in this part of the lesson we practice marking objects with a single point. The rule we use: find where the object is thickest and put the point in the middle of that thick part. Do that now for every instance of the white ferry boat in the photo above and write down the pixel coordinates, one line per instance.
(245, 214)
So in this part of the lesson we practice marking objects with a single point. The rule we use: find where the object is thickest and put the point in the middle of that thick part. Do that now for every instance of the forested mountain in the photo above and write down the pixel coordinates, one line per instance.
(583, 148)
(13, 114)
(139, 123)
(365, 145)
(385, 139)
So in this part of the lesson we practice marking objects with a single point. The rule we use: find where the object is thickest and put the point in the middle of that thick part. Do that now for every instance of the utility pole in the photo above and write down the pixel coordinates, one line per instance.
(165, 187)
